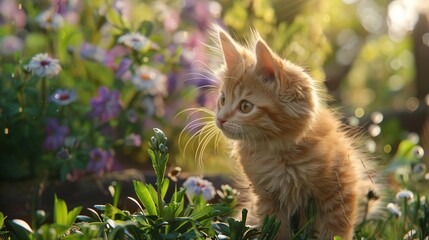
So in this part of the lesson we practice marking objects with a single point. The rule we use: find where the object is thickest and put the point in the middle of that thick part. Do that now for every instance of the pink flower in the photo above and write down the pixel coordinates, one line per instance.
(12, 14)
(10, 44)
(133, 140)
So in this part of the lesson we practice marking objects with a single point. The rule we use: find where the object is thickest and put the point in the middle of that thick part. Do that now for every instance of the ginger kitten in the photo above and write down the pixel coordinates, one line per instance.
(290, 147)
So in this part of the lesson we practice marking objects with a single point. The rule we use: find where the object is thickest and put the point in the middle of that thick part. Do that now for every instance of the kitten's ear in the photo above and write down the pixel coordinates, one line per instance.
(265, 59)
(231, 56)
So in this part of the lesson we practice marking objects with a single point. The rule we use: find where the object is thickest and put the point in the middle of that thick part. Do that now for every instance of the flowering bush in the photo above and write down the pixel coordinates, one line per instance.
(156, 217)
(81, 82)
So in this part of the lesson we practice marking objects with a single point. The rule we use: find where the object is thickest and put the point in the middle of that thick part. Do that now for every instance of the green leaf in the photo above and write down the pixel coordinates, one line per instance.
(60, 211)
(114, 18)
(83, 218)
(222, 228)
(178, 197)
(71, 216)
(168, 212)
(146, 28)
(115, 191)
(153, 160)
(1, 220)
(74, 236)
(145, 197)
(20, 229)
(209, 211)
(113, 212)
(173, 235)
(164, 188)
(117, 233)
(153, 193)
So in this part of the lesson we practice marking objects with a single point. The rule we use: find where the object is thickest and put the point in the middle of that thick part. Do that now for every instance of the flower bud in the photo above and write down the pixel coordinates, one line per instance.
(160, 136)
(161, 147)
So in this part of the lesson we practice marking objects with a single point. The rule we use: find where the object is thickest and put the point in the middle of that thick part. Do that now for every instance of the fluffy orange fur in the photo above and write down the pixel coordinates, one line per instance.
(291, 148)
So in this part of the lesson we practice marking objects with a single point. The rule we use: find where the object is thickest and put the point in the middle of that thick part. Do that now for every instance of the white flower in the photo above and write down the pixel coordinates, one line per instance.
(410, 234)
(63, 97)
(198, 186)
(135, 41)
(149, 79)
(405, 194)
(394, 209)
(50, 20)
(43, 66)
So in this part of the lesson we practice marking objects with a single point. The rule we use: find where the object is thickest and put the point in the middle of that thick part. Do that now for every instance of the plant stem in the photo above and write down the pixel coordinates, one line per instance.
(159, 181)
(377, 235)
(43, 95)
(404, 219)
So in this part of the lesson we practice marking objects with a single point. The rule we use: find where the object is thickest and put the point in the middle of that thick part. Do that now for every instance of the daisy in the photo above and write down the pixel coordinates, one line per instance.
(394, 209)
(149, 79)
(136, 41)
(199, 186)
(43, 66)
(405, 194)
(50, 20)
(63, 97)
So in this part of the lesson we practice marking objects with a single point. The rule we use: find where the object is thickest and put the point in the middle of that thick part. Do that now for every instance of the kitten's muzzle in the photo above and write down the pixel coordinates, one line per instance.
(220, 121)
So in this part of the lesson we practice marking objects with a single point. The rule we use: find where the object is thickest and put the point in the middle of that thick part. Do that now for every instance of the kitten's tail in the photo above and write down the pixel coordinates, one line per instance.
(372, 199)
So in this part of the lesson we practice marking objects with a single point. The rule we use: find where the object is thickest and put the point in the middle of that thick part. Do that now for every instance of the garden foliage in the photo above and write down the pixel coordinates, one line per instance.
(83, 82)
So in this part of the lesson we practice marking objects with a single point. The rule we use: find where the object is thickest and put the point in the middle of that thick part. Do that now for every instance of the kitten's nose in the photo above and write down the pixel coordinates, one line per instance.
(221, 121)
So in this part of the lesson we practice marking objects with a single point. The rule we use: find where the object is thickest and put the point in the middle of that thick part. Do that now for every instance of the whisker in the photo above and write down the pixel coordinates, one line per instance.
(204, 142)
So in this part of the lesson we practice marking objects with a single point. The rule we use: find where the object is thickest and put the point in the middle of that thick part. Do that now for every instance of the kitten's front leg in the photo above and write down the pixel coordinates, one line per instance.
(268, 207)
(336, 217)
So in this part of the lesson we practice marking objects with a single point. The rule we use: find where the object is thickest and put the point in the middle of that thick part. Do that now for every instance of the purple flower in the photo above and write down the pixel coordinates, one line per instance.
(199, 186)
(63, 97)
(101, 161)
(92, 52)
(55, 135)
(123, 70)
(112, 55)
(69, 10)
(106, 105)
(133, 140)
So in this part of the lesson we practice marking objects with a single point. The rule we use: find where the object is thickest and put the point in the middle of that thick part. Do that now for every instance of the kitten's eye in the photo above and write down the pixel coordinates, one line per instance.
(245, 106)
(222, 99)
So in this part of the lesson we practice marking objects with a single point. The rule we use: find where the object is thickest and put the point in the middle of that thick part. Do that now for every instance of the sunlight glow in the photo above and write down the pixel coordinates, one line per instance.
(401, 17)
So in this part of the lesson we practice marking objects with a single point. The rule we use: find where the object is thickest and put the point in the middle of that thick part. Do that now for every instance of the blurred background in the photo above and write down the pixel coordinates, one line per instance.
(372, 56)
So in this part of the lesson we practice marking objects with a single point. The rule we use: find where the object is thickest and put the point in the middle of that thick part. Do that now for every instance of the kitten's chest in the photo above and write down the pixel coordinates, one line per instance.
(277, 175)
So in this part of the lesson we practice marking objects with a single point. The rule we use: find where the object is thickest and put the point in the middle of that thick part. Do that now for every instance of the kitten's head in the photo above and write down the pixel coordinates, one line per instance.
(262, 95)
